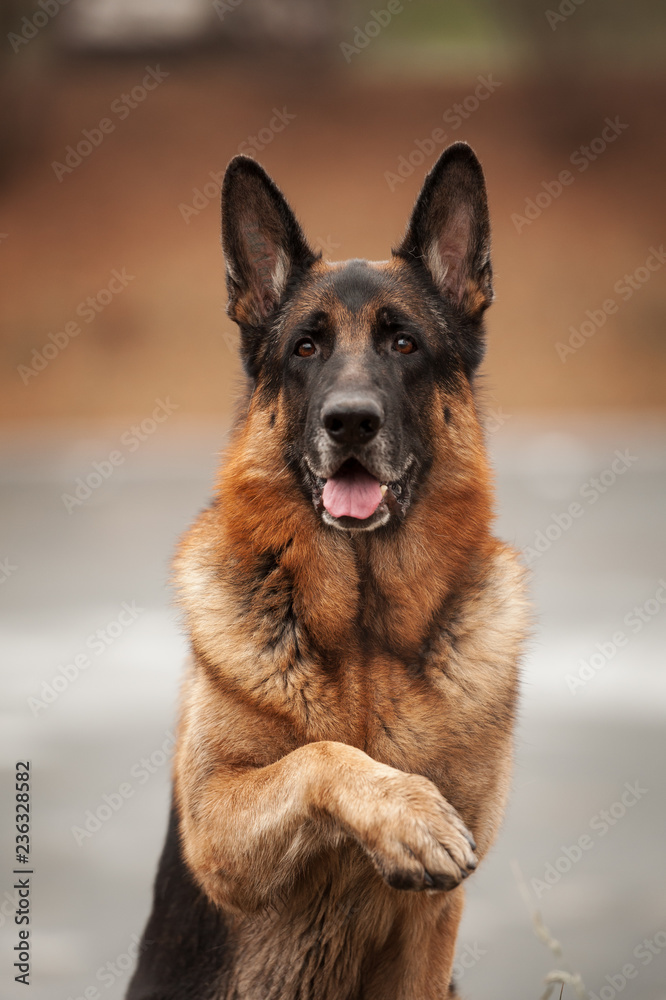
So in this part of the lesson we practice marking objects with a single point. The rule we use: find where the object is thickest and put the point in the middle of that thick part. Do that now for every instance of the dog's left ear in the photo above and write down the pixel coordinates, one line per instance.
(449, 231)
(263, 247)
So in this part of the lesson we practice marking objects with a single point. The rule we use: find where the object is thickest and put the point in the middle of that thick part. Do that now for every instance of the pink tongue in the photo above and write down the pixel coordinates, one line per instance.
(355, 493)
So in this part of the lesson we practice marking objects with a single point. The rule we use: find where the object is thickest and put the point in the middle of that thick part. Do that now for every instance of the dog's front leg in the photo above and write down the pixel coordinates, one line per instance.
(248, 831)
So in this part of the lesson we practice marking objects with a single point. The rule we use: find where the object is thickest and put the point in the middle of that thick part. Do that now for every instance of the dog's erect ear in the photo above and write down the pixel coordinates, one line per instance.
(262, 241)
(449, 231)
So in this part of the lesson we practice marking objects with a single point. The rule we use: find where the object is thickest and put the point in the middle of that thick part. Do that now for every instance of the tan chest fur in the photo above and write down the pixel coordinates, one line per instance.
(261, 692)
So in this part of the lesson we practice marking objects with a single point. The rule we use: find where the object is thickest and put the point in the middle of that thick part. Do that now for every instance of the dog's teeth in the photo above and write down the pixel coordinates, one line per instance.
(383, 489)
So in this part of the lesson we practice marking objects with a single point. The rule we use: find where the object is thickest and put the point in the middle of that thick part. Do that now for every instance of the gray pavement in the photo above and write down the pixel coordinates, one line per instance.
(586, 823)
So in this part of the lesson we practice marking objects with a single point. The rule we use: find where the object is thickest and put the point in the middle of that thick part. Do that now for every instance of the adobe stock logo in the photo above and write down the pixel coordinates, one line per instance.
(96, 643)
(645, 952)
(606, 650)
(88, 309)
(601, 824)
(563, 12)
(122, 107)
(454, 116)
(591, 491)
(209, 190)
(379, 19)
(625, 287)
(112, 802)
(32, 25)
(581, 158)
(103, 469)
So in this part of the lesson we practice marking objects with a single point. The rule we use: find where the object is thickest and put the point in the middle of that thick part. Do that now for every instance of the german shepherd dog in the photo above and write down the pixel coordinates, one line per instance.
(345, 739)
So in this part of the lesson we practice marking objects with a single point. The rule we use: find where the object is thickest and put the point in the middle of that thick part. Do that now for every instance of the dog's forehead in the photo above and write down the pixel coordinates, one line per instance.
(357, 283)
(354, 289)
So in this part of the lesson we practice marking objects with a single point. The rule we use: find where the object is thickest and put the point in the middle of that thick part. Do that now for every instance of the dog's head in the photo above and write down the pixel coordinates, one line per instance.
(368, 360)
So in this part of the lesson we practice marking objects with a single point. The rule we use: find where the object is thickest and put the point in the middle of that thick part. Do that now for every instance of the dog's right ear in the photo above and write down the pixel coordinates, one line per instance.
(263, 245)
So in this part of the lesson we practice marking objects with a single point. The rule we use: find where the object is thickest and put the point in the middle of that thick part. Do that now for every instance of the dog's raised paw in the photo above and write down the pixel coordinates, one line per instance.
(416, 839)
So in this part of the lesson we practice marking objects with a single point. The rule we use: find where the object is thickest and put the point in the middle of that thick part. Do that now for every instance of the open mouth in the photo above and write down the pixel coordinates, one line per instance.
(353, 498)
(352, 492)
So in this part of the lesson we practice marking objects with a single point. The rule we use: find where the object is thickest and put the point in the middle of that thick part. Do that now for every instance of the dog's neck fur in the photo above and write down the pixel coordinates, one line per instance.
(395, 580)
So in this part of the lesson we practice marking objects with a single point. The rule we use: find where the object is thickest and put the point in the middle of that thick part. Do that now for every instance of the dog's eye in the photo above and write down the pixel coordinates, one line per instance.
(305, 348)
(404, 344)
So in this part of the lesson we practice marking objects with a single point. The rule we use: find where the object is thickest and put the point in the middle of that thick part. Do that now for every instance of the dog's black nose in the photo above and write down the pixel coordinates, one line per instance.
(351, 418)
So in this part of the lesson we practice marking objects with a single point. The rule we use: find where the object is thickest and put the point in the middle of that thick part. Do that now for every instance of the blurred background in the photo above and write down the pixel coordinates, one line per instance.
(119, 379)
